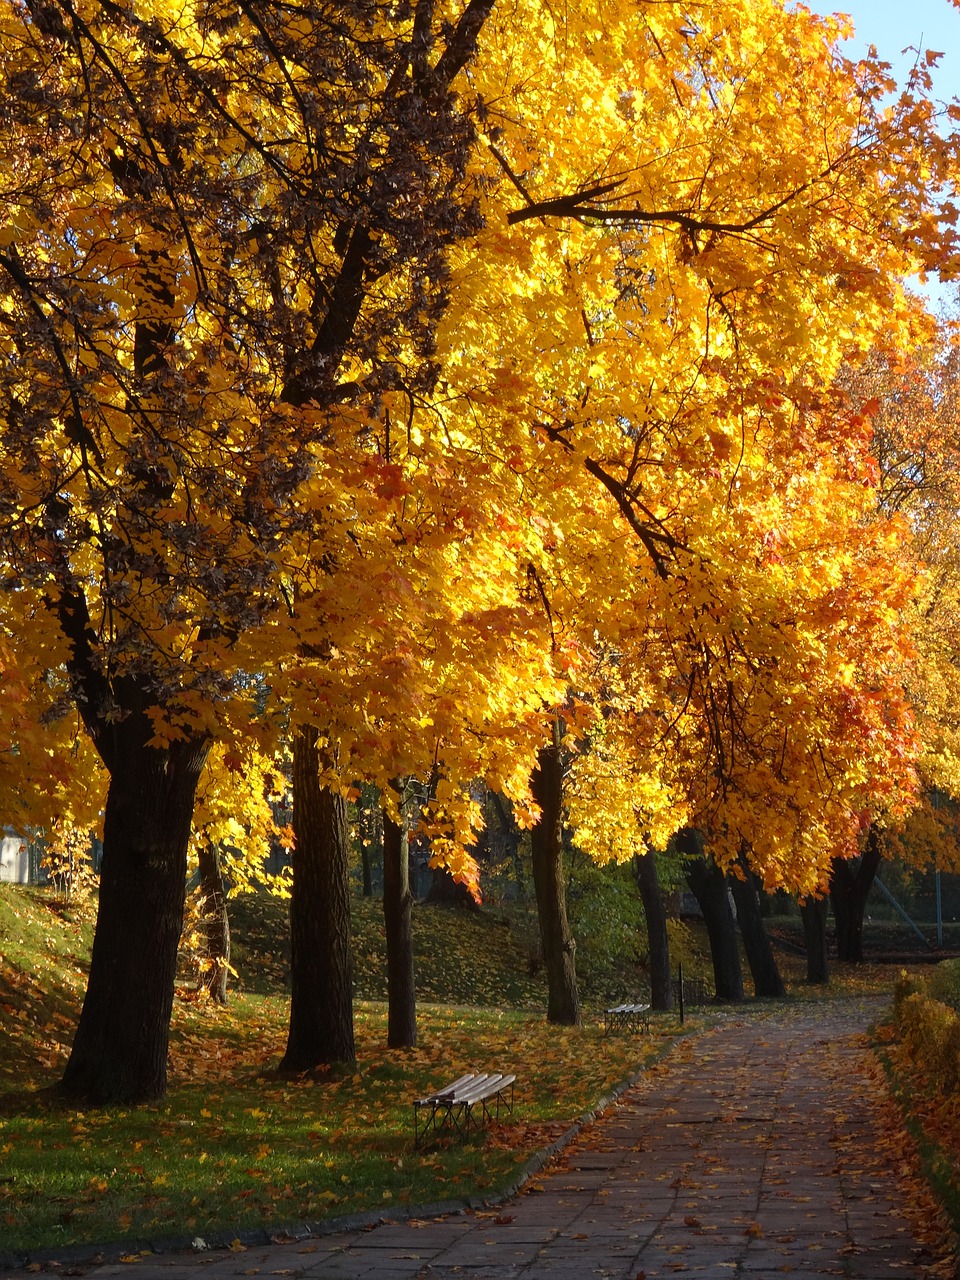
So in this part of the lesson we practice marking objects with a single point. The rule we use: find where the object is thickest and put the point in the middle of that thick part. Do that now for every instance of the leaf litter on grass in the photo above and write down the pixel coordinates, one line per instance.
(234, 1146)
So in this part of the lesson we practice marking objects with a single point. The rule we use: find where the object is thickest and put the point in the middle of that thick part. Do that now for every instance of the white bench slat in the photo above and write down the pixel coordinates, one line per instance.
(454, 1104)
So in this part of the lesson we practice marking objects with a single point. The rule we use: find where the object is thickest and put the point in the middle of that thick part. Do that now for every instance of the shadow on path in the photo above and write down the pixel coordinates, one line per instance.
(758, 1149)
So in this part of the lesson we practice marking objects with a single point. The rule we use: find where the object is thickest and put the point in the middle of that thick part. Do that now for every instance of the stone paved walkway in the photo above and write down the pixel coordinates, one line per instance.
(755, 1150)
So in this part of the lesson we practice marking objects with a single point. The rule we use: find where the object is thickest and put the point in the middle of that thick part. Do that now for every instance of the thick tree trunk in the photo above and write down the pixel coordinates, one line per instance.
(709, 886)
(321, 966)
(850, 883)
(559, 947)
(658, 941)
(813, 913)
(119, 1053)
(398, 922)
(216, 923)
(767, 981)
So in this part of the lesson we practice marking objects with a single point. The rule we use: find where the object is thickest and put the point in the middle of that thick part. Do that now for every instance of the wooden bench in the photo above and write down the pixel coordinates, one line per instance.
(627, 1017)
(473, 1099)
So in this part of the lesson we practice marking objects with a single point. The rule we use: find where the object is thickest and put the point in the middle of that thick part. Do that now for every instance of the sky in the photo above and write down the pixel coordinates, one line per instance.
(893, 25)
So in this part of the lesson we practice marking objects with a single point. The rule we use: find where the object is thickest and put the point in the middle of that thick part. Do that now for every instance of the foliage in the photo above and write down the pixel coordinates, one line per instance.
(944, 983)
(545, 422)
(920, 1051)
(927, 1024)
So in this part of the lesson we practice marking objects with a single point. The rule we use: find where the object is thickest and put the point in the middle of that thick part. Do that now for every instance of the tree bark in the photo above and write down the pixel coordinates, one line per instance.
(119, 1053)
(321, 965)
(850, 885)
(216, 923)
(512, 840)
(559, 947)
(709, 886)
(658, 941)
(368, 830)
(764, 970)
(813, 913)
(444, 891)
(398, 923)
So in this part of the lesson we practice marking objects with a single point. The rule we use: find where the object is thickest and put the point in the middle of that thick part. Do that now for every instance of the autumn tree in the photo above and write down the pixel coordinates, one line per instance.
(308, 315)
(716, 540)
(911, 400)
(213, 223)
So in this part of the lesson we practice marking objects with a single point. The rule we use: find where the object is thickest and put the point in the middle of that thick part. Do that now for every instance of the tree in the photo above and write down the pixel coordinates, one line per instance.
(756, 941)
(321, 959)
(658, 942)
(398, 923)
(910, 400)
(233, 825)
(311, 304)
(546, 840)
(709, 886)
(183, 290)
(813, 912)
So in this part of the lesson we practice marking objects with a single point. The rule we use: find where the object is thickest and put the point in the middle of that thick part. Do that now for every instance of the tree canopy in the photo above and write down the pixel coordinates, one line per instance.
(445, 378)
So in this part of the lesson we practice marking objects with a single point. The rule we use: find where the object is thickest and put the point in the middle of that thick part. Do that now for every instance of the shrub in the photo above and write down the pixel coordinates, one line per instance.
(905, 986)
(930, 1031)
(944, 983)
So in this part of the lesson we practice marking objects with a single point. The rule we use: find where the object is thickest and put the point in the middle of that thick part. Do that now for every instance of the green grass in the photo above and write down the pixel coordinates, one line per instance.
(233, 1147)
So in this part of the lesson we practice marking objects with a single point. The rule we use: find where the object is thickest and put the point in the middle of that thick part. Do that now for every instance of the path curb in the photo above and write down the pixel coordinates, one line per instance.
(99, 1254)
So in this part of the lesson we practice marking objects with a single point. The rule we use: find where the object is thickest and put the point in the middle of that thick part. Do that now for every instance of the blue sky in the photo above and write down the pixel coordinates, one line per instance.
(892, 25)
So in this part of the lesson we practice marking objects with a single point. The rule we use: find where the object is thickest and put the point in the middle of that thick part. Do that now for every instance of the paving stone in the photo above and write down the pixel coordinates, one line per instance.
(745, 1172)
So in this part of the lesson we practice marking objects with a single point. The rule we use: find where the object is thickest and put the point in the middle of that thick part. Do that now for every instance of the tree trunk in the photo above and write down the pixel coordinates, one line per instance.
(658, 941)
(767, 981)
(119, 1053)
(559, 947)
(512, 840)
(813, 913)
(709, 886)
(850, 884)
(398, 922)
(368, 810)
(321, 964)
(216, 923)
(444, 891)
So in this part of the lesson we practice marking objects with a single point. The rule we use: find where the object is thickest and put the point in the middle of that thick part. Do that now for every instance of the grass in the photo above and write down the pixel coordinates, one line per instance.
(233, 1147)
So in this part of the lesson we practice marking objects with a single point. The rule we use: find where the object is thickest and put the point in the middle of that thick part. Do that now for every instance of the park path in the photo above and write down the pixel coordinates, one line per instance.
(763, 1147)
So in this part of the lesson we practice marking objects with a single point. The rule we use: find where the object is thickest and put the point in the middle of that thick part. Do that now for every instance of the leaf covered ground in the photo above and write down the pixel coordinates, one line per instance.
(233, 1146)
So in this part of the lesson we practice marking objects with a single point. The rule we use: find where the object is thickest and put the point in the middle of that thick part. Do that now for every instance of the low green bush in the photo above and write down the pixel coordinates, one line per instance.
(944, 983)
(930, 1031)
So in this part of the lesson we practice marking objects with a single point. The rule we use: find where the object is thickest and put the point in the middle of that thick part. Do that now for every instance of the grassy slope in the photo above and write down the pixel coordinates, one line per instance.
(233, 1147)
